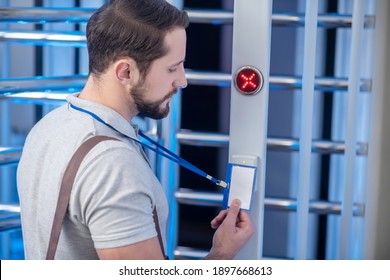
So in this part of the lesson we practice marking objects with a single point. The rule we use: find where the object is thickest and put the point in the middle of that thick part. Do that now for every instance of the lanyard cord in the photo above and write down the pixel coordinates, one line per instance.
(159, 150)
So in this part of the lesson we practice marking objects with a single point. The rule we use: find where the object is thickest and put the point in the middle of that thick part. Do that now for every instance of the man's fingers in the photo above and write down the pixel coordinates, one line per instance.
(244, 217)
(245, 223)
(217, 221)
(229, 216)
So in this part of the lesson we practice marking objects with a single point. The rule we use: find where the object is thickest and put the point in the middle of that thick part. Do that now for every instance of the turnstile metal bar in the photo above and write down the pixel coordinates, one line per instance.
(306, 130)
(190, 197)
(190, 253)
(45, 15)
(186, 253)
(39, 83)
(203, 139)
(9, 217)
(9, 156)
(321, 83)
(40, 98)
(55, 38)
(81, 15)
(279, 19)
(352, 109)
(324, 20)
(207, 139)
(204, 78)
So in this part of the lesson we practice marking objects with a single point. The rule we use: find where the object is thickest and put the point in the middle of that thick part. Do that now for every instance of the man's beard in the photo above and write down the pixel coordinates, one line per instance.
(150, 109)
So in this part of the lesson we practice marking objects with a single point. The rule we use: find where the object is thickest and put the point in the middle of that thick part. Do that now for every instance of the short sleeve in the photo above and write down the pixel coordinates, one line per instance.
(113, 196)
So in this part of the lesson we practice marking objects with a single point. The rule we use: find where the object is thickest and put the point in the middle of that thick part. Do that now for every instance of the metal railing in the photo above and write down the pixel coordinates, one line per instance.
(190, 197)
(9, 156)
(77, 82)
(208, 199)
(9, 217)
(207, 139)
(81, 15)
(55, 38)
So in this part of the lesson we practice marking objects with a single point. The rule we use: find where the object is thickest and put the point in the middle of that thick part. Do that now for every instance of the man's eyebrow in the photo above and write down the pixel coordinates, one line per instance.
(178, 63)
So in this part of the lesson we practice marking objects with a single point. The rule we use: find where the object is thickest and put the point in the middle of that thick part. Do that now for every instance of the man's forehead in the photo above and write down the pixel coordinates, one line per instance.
(176, 39)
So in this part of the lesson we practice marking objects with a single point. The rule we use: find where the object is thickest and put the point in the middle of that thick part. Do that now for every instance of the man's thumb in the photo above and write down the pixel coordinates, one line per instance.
(233, 211)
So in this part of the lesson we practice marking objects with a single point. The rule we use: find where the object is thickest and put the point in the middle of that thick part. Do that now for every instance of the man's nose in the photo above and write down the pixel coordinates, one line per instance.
(181, 82)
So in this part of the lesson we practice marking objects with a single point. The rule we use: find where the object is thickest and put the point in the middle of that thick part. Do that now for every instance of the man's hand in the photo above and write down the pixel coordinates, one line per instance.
(234, 228)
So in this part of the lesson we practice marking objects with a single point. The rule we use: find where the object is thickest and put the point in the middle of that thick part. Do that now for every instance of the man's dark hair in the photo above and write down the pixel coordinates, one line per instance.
(131, 28)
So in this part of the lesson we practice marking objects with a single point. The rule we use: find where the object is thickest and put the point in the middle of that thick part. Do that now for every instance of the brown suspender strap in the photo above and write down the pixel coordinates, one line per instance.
(66, 189)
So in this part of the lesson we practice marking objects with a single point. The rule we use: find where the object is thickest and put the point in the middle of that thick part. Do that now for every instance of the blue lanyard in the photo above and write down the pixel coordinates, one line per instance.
(159, 149)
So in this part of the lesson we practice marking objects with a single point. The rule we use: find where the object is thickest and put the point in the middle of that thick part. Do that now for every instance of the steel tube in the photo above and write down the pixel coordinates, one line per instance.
(56, 38)
(9, 217)
(306, 129)
(77, 82)
(15, 85)
(189, 253)
(45, 15)
(82, 15)
(190, 197)
(352, 112)
(9, 156)
(186, 137)
(194, 138)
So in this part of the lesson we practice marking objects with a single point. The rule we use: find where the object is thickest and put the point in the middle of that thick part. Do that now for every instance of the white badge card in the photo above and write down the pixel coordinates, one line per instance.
(241, 182)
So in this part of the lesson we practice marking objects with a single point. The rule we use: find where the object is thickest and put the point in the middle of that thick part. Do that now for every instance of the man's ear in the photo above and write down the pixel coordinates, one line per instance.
(126, 71)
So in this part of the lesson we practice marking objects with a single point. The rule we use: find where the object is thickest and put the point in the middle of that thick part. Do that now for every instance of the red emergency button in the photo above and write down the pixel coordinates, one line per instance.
(248, 80)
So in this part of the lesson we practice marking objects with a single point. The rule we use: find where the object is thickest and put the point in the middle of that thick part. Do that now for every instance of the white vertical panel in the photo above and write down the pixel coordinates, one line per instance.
(377, 222)
(351, 126)
(305, 143)
(248, 115)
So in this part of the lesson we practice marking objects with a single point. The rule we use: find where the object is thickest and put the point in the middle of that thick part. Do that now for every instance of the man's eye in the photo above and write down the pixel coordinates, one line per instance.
(171, 70)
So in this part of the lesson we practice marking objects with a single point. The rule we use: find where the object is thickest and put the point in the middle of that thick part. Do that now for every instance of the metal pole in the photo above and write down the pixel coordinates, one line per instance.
(351, 126)
(306, 128)
(248, 114)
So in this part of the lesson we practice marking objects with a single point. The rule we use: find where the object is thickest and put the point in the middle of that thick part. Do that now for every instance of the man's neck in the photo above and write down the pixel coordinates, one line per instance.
(110, 95)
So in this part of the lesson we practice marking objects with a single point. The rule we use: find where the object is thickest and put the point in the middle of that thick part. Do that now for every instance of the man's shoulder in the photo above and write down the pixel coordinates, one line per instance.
(59, 123)
(53, 117)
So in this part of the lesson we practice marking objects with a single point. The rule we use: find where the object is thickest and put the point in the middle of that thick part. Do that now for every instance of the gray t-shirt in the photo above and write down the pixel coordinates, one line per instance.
(114, 193)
